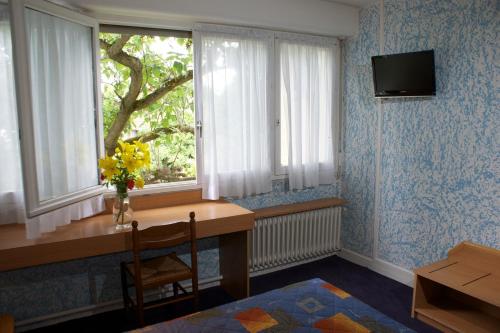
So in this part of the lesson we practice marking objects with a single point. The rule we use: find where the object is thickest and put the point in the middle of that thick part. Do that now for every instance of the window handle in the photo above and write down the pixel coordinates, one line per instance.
(199, 126)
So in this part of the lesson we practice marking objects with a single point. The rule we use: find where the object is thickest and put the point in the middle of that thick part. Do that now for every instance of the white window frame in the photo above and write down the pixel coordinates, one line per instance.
(280, 171)
(34, 206)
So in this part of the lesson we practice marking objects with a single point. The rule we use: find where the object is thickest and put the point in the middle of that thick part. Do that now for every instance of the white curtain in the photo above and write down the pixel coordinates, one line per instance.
(75, 135)
(232, 82)
(308, 109)
(11, 195)
(62, 85)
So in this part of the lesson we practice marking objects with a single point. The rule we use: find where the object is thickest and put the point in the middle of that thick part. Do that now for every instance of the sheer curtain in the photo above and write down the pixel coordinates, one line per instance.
(12, 209)
(11, 195)
(62, 86)
(308, 108)
(232, 75)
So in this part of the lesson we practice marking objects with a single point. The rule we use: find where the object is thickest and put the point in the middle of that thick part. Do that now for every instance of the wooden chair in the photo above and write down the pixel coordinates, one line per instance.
(162, 270)
(6, 323)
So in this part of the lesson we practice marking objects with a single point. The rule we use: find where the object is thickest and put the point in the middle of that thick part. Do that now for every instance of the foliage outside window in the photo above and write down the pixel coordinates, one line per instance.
(147, 91)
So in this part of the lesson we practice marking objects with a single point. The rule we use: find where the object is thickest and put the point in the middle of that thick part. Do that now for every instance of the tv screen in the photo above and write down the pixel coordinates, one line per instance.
(404, 74)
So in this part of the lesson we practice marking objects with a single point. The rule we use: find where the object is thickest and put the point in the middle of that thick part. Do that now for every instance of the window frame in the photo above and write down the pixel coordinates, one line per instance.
(34, 206)
(144, 29)
(281, 171)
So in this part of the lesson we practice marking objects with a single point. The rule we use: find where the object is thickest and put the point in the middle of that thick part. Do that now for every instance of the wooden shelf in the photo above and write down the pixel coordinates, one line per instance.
(458, 318)
(462, 292)
(298, 207)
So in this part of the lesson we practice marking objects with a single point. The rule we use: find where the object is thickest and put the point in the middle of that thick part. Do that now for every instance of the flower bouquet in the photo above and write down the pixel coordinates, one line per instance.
(122, 171)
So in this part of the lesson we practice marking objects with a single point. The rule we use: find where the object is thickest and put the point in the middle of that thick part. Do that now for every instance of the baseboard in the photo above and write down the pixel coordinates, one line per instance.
(55, 318)
(380, 266)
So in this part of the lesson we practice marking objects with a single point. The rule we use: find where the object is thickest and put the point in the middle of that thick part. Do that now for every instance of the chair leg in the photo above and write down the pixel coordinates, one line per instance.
(124, 286)
(195, 293)
(140, 312)
(139, 304)
(196, 302)
(176, 289)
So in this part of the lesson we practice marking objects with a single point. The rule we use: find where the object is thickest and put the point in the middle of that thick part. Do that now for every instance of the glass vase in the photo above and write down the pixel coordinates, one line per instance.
(122, 212)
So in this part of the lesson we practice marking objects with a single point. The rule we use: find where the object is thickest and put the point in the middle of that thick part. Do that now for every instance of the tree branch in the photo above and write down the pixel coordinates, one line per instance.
(115, 52)
(154, 134)
(118, 45)
(167, 86)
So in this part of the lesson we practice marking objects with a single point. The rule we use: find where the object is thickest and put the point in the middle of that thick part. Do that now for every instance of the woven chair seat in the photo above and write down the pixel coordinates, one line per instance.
(162, 270)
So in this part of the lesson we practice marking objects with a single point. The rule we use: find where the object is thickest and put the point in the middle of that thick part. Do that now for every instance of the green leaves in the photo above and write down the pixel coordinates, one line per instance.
(179, 67)
(163, 58)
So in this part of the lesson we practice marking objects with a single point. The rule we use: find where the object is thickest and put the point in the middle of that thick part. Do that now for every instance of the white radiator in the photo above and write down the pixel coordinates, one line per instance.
(295, 238)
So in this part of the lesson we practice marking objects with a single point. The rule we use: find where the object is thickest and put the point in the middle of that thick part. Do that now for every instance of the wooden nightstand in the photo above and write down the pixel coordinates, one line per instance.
(460, 293)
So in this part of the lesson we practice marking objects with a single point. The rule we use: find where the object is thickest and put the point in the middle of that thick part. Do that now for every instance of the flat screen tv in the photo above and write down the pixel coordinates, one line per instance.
(404, 74)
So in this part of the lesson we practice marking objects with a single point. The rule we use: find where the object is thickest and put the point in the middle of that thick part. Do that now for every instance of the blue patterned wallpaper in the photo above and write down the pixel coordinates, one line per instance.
(440, 156)
(74, 284)
(281, 195)
(360, 109)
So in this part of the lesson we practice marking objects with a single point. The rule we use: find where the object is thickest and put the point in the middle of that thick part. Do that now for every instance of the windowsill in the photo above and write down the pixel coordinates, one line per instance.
(279, 177)
(157, 189)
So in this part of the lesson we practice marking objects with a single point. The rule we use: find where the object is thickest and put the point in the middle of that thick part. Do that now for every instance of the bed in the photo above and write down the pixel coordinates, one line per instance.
(309, 306)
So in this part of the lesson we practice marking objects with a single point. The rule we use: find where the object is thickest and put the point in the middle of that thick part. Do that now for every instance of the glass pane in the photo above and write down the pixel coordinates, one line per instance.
(306, 78)
(62, 83)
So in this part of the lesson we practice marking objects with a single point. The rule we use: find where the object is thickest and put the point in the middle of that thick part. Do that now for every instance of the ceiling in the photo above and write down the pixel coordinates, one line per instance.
(355, 3)
(91, 3)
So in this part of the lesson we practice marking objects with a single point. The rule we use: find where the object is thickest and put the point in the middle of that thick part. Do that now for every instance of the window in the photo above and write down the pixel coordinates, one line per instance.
(308, 109)
(233, 77)
(237, 99)
(63, 64)
(57, 98)
(147, 88)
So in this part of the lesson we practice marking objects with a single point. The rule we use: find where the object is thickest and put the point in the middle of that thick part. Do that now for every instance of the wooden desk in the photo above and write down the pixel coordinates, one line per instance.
(97, 236)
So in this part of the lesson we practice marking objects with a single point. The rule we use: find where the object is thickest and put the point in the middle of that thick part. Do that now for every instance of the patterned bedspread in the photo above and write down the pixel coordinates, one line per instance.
(309, 306)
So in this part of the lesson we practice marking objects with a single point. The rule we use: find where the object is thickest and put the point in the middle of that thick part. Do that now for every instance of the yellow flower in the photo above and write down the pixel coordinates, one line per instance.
(126, 148)
(147, 159)
(128, 158)
(108, 164)
(143, 153)
(141, 146)
(139, 182)
(130, 162)
(109, 173)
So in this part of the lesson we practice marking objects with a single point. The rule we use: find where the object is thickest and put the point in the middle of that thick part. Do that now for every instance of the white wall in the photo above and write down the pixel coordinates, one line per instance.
(311, 16)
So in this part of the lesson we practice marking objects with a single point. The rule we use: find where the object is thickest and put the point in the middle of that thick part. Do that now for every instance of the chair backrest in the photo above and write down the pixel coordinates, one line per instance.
(163, 236)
